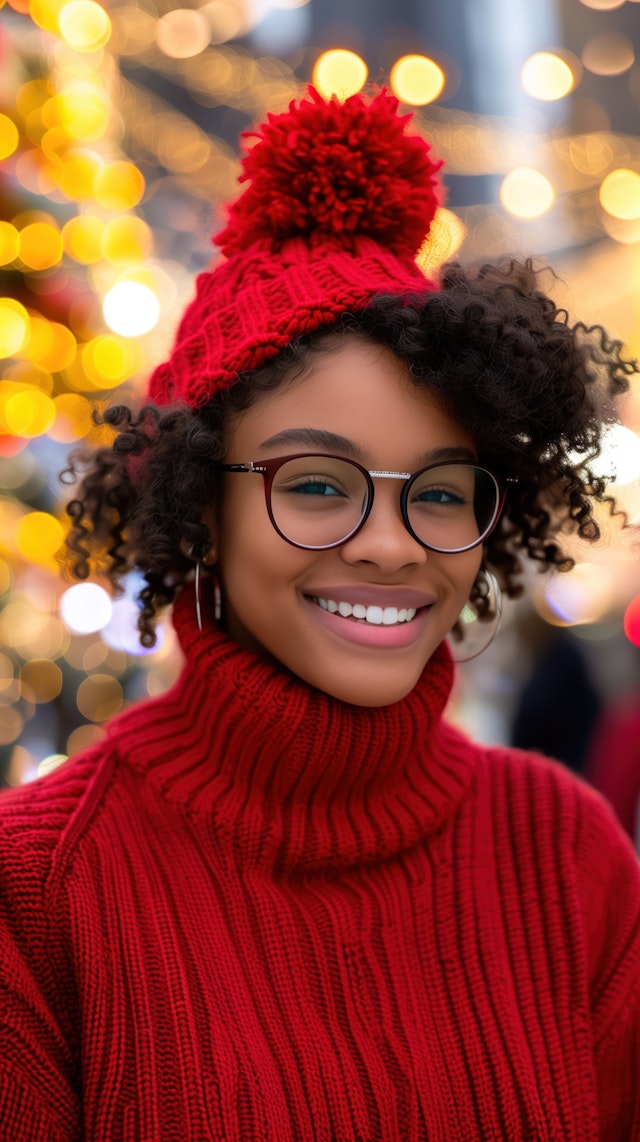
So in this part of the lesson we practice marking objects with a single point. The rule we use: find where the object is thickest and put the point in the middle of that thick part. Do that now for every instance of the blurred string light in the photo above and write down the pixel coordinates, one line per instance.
(9, 137)
(183, 32)
(547, 76)
(608, 54)
(619, 456)
(582, 595)
(417, 80)
(526, 193)
(339, 72)
(631, 621)
(84, 25)
(85, 608)
(131, 309)
(446, 235)
(619, 194)
(14, 326)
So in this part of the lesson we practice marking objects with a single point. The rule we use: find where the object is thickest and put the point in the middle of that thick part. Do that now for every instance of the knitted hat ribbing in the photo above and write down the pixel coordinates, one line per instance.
(339, 201)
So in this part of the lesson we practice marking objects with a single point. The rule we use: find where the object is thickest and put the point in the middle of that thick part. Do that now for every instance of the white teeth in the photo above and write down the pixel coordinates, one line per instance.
(377, 616)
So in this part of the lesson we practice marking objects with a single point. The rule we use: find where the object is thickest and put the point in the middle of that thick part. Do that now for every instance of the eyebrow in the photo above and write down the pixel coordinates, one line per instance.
(332, 442)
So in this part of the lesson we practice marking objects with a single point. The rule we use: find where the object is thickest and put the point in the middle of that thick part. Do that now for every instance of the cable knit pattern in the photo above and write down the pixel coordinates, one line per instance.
(255, 912)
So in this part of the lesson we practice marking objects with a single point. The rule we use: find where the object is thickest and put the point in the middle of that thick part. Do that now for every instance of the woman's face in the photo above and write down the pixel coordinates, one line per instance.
(271, 590)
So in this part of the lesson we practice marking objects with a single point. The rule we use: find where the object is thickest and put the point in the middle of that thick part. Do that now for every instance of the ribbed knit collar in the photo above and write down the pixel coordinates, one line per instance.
(290, 777)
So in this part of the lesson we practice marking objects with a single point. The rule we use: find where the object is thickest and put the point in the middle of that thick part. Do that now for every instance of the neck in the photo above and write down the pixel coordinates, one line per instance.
(292, 777)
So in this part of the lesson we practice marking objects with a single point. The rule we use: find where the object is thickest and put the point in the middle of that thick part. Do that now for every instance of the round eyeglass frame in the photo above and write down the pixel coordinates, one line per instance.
(268, 469)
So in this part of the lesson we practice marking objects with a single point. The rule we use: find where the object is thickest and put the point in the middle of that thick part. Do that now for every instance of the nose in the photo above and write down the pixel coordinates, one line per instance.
(384, 540)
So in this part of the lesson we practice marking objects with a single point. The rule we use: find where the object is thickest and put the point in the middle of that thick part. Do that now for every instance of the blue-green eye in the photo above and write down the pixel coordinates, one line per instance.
(438, 496)
(315, 487)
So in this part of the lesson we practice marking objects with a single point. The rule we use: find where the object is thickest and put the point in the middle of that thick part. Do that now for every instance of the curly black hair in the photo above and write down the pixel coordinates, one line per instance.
(533, 390)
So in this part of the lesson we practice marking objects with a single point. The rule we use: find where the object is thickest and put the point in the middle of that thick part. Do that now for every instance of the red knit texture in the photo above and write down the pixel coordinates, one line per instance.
(255, 913)
(340, 197)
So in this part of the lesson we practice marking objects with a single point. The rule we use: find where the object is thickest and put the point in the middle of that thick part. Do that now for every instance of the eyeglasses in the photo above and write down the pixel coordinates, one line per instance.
(316, 501)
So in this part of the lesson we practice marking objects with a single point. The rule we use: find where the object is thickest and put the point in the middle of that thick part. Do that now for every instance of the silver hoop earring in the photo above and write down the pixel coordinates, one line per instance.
(476, 634)
(197, 586)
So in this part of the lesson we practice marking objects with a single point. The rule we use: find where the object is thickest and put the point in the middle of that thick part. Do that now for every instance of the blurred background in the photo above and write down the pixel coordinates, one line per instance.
(119, 125)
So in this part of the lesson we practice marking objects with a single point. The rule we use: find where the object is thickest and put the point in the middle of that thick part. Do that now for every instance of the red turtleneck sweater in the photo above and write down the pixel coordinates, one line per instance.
(256, 913)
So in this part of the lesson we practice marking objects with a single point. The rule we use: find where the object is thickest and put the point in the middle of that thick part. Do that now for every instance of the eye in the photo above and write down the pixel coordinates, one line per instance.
(312, 486)
(445, 496)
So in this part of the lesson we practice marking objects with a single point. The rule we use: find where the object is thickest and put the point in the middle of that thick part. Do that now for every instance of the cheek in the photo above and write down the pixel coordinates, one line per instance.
(463, 569)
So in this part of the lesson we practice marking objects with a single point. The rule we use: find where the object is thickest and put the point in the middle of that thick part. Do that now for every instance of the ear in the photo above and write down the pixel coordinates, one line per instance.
(205, 553)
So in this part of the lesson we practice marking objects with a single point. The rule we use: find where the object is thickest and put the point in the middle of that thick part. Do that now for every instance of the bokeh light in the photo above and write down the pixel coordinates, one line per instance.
(9, 137)
(526, 193)
(127, 240)
(83, 737)
(417, 80)
(118, 186)
(99, 697)
(224, 19)
(82, 109)
(83, 237)
(39, 537)
(446, 235)
(339, 72)
(41, 680)
(14, 326)
(582, 595)
(631, 621)
(131, 309)
(85, 608)
(547, 76)
(609, 54)
(603, 5)
(183, 33)
(29, 412)
(619, 194)
(9, 243)
(108, 361)
(77, 174)
(41, 246)
(85, 25)
(73, 418)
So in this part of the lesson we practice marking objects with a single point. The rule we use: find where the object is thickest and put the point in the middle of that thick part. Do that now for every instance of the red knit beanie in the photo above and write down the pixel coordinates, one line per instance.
(339, 201)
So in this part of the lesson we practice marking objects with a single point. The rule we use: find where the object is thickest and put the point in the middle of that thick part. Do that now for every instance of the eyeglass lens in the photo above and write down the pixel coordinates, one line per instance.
(318, 500)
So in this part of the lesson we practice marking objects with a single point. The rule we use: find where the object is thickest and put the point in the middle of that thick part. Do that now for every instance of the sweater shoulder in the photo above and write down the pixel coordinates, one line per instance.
(548, 788)
(43, 819)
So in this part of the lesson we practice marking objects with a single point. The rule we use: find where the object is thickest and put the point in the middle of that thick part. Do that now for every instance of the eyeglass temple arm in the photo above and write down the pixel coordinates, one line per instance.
(250, 467)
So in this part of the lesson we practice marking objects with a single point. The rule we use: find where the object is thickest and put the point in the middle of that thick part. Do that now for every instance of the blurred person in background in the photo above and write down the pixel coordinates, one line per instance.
(560, 702)
(613, 759)
(288, 899)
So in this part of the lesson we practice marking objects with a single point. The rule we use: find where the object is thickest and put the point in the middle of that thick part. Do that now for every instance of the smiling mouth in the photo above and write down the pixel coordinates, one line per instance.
(368, 616)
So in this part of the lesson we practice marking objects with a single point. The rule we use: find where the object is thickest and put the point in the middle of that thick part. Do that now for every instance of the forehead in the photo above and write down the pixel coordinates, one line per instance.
(359, 391)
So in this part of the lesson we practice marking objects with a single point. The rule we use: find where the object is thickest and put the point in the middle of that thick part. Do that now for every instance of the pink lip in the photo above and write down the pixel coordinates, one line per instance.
(365, 634)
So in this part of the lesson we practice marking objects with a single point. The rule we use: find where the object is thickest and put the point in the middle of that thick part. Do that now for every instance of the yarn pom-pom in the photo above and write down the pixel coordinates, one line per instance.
(329, 172)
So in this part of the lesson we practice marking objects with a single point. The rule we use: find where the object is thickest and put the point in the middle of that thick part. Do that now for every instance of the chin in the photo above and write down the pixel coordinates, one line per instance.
(371, 693)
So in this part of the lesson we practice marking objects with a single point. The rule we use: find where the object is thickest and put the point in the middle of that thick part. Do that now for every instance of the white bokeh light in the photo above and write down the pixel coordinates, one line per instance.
(131, 309)
(121, 633)
(85, 608)
(620, 454)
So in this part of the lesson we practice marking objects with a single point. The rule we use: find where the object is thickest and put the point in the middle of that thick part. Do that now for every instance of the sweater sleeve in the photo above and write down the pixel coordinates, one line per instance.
(39, 1026)
(609, 877)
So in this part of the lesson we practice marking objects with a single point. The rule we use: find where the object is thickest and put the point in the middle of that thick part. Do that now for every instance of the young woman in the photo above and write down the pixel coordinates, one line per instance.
(287, 900)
